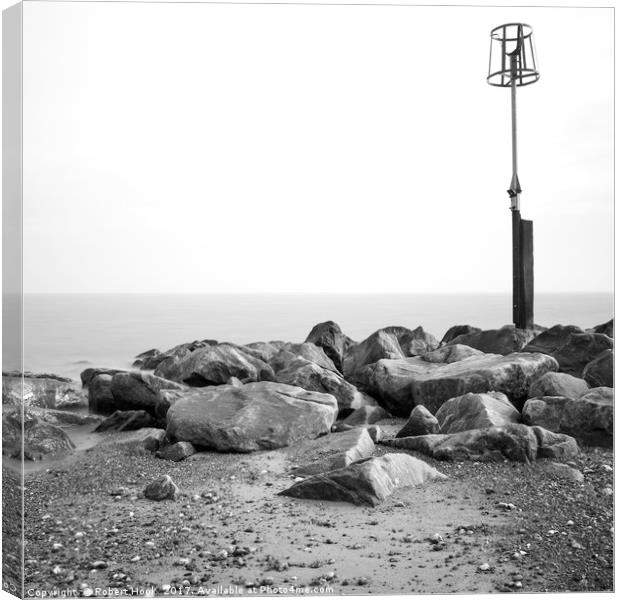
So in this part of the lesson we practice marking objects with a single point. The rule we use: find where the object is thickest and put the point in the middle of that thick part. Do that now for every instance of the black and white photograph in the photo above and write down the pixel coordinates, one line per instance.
(307, 299)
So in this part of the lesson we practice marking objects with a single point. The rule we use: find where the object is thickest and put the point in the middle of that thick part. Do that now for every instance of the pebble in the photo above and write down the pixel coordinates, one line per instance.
(221, 555)
(135, 559)
(484, 567)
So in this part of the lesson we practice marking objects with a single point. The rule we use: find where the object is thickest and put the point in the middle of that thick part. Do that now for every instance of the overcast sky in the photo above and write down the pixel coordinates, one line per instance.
(214, 148)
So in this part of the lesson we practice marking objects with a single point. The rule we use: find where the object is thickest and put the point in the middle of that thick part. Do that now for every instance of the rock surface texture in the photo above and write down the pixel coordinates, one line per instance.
(333, 451)
(44, 391)
(476, 411)
(506, 340)
(558, 384)
(402, 384)
(599, 372)
(257, 416)
(579, 350)
(367, 482)
(589, 419)
(420, 422)
(330, 338)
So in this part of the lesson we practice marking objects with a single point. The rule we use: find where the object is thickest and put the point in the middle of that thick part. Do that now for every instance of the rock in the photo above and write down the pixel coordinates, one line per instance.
(126, 420)
(310, 376)
(162, 489)
(330, 338)
(451, 354)
(399, 385)
(100, 399)
(421, 422)
(258, 416)
(381, 344)
(290, 353)
(365, 415)
(506, 340)
(89, 374)
(599, 372)
(177, 452)
(579, 350)
(606, 328)
(514, 442)
(366, 482)
(234, 381)
(476, 411)
(43, 391)
(265, 350)
(375, 433)
(552, 339)
(139, 391)
(589, 419)
(558, 384)
(333, 451)
(417, 342)
(40, 439)
(147, 438)
(166, 398)
(146, 359)
(557, 446)
(457, 330)
(214, 365)
(168, 358)
(562, 472)
(64, 417)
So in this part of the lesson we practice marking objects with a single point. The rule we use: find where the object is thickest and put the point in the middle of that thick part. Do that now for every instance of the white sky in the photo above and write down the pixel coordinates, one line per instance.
(225, 148)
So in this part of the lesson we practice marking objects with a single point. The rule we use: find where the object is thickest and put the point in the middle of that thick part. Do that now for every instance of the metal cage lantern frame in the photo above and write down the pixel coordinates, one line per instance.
(512, 56)
(512, 64)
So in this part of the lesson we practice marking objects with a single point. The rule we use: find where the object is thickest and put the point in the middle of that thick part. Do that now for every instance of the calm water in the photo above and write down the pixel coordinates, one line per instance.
(65, 334)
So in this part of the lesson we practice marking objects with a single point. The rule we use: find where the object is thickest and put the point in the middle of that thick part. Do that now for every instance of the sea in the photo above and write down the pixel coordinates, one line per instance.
(66, 333)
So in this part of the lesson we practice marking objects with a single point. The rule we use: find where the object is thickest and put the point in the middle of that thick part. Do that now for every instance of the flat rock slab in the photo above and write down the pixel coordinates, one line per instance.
(558, 384)
(333, 451)
(367, 482)
(257, 416)
(402, 384)
(476, 411)
(518, 443)
(514, 442)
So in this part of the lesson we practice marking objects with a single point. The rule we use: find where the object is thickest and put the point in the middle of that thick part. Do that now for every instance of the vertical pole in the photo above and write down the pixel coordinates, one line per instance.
(526, 316)
(515, 191)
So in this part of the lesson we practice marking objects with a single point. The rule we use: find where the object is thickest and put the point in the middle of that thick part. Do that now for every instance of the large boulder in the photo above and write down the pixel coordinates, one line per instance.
(289, 353)
(599, 372)
(214, 365)
(381, 344)
(40, 438)
(605, 328)
(402, 384)
(333, 451)
(421, 422)
(44, 391)
(552, 339)
(139, 391)
(558, 384)
(579, 350)
(589, 419)
(506, 340)
(367, 482)
(100, 398)
(329, 336)
(265, 350)
(476, 411)
(257, 416)
(512, 442)
(450, 354)
(457, 330)
(310, 376)
(154, 358)
(87, 375)
(417, 342)
(557, 446)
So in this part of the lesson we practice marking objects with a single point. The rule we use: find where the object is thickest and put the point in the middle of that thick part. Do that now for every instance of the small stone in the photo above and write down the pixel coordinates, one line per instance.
(162, 489)
(484, 567)
(221, 555)
(99, 564)
(135, 559)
